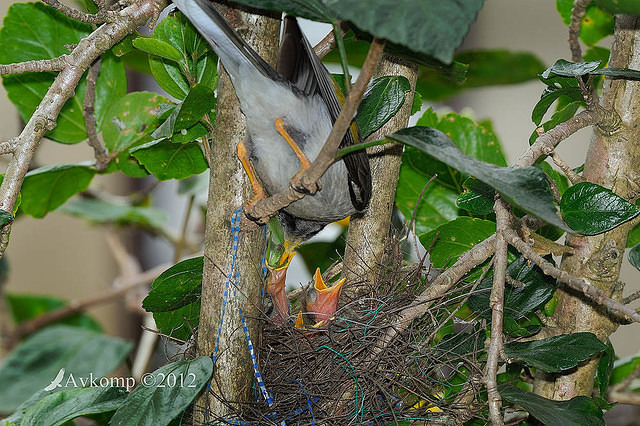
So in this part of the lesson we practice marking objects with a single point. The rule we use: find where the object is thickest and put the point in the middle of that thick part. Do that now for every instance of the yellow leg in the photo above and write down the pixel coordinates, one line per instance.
(304, 160)
(259, 192)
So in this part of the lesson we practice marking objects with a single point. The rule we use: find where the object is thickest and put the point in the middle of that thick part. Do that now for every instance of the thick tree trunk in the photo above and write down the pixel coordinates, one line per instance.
(613, 161)
(368, 233)
(228, 190)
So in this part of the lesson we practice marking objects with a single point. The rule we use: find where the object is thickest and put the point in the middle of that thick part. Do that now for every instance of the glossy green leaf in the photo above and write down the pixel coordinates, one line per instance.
(197, 62)
(179, 323)
(550, 354)
(47, 188)
(634, 256)
(625, 73)
(565, 68)
(157, 47)
(556, 87)
(131, 120)
(578, 411)
(167, 160)
(36, 362)
(191, 134)
(61, 407)
(526, 188)
(527, 326)
(486, 68)
(537, 290)
(591, 209)
(165, 393)
(595, 25)
(605, 368)
(25, 307)
(33, 31)
(478, 197)
(198, 103)
(437, 205)
(5, 217)
(432, 27)
(451, 240)
(120, 214)
(111, 85)
(633, 238)
(623, 7)
(381, 101)
(176, 287)
(561, 181)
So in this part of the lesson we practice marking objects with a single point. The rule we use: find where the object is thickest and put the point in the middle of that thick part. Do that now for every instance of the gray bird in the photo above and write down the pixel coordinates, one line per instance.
(289, 111)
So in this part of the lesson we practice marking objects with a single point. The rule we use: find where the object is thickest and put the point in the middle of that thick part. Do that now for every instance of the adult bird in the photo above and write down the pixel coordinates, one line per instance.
(289, 112)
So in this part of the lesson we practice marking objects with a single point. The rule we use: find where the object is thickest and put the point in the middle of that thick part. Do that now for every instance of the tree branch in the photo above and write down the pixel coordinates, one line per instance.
(100, 152)
(63, 87)
(99, 18)
(41, 65)
(503, 219)
(575, 283)
(577, 13)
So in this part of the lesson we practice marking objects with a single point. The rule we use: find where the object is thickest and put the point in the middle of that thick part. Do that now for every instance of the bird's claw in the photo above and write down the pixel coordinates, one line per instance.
(298, 185)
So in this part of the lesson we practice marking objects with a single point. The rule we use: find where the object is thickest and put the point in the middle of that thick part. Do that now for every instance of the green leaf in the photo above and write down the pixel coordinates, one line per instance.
(34, 31)
(5, 217)
(595, 25)
(565, 68)
(35, 362)
(561, 181)
(634, 256)
(458, 346)
(197, 61)
(58, 408)
(556, 87)
(623, 368)
(526, 187)
(527, 326)
(167, 160)
(486, 68)
(563, 114)
(432, 27)
(381, 101)
(478, 197)
(550, 354)
(605, 368)
(176, 287)
(111, 85)
(130, 120)
(47, 188)
(623, 7)
(625, 73)
(157, 47)
(198, 103)
(179, 323)
(518, 302)
(591, 209)
(633, 238)
(455, 238)
(25, 307)
(120, 214)
(578, 411)
(165, 393)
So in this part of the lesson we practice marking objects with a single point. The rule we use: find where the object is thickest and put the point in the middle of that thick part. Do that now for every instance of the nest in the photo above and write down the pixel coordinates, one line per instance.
(351, 373)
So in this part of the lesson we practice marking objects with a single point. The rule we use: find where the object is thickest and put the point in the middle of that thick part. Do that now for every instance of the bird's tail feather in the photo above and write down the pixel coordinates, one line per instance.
(228, 45)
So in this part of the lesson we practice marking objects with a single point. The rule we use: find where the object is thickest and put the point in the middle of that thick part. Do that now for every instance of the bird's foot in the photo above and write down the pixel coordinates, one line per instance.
(300, 185)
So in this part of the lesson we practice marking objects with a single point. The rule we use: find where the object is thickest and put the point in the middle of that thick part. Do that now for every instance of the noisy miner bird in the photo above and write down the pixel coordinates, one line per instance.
(289, 112)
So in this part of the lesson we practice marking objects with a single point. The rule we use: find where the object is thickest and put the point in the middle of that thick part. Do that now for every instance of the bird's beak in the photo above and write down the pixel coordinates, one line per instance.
(322, 301)
(276, 288)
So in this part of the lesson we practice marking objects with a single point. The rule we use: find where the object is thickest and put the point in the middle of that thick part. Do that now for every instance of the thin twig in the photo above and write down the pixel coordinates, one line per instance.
(630, 298)
(546, 143)
(99, 18)
(44, 118)
(328, 43)
(575, 283)
(42, 65)
(577, 13)
(496, 302)
(89, 113)
(306, 181)
(566, 169)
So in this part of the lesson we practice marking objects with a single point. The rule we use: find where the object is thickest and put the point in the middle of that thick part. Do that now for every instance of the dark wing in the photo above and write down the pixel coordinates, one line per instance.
(299, 64)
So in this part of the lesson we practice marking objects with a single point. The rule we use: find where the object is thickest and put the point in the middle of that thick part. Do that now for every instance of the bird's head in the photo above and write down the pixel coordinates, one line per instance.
(322, 301)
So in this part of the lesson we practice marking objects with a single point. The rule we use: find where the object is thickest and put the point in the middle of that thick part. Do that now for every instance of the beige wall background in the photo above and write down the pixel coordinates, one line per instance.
(66, 257)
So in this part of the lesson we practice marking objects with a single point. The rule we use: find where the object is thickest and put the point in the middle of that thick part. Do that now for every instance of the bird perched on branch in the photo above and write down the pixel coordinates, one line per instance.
(289, 111)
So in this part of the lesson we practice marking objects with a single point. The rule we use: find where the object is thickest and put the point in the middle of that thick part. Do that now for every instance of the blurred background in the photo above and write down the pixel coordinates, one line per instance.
(66, 257)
